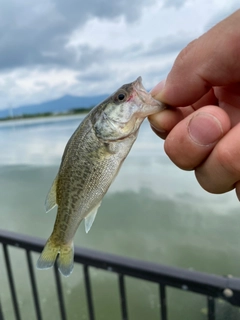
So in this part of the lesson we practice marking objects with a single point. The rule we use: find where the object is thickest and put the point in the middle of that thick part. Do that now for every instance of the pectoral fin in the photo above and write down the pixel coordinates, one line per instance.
(91, 217)
(51, 200)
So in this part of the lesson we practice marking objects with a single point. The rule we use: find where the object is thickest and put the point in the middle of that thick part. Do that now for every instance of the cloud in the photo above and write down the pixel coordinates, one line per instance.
(36, 33)
(51, 48)
(80, 11)
(95, 76)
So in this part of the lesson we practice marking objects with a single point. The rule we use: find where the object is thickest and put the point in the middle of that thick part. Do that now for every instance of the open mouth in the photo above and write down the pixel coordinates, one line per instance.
(142, 93)
(137, 84)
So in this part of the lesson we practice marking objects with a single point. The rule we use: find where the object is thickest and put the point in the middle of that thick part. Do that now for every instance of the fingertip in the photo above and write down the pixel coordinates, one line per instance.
(160, 133)
(165, 120)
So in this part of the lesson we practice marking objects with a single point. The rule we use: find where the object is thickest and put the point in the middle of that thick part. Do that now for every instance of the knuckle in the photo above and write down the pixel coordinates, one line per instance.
(229, 161)
(188, 50)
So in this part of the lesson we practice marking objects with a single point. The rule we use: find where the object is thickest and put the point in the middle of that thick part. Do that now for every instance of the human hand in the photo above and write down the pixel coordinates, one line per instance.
(202, 128)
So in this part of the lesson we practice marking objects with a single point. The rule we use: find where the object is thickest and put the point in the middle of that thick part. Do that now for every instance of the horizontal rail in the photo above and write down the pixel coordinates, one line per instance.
(227, 288)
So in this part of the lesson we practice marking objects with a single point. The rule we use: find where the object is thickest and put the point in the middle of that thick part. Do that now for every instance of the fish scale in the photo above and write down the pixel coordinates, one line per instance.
(90, 162)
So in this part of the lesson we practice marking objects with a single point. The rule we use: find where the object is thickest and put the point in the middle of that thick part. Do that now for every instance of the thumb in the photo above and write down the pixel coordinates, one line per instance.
(191, 141)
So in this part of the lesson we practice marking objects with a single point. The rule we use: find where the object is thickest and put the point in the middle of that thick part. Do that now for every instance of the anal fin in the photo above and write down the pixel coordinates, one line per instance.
(91, 217)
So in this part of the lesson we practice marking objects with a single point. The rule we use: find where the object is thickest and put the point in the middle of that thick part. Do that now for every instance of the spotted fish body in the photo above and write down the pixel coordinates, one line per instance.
(91, 160)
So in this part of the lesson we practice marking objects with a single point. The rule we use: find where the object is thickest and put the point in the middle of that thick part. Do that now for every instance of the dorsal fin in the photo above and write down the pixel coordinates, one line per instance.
(91, 217)
(51, 200)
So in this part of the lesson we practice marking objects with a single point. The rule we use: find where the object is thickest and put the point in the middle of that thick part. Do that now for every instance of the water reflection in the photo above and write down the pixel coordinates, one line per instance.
(144, 224)
(32, 141)
(153, 211)
(36, 142)
(41, 142)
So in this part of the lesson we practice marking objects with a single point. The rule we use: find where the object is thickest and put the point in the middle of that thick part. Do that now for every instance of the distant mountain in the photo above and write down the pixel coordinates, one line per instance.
(62, 104)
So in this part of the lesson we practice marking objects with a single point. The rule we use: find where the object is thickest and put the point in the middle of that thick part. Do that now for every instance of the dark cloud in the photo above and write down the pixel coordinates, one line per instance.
(173, 3)
(135, 51)
(37, 33)
(95, 76)
(81, 10)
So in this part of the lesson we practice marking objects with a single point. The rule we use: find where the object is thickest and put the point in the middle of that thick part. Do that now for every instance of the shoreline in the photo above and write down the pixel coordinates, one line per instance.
(78, 111)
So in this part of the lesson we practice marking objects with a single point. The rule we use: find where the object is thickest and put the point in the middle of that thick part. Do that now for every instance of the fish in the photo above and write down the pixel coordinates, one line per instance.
(90, 162)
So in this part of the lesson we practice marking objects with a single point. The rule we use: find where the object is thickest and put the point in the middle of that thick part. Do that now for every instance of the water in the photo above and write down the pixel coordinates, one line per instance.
(153, 211)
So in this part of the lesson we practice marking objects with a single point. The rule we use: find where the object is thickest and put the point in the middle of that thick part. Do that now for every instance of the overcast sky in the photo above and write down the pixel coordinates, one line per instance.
(50, 48)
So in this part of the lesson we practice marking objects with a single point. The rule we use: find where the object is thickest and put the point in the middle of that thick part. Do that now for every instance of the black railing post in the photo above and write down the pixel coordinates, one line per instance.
(34, 286)
(1, 312)
(163, 301)
(88, 293)
(60, 293)
(211, 308)
(123, 297)
(11, 282)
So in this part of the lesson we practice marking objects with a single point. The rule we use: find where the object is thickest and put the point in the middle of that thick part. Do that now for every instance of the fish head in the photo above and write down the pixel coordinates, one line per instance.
(122, 113)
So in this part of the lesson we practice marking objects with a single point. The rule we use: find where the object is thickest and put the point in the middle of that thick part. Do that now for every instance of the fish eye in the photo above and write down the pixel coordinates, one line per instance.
(121, 96)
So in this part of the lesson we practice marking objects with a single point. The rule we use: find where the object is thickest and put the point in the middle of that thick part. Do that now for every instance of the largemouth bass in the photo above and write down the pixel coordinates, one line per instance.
(91, 161)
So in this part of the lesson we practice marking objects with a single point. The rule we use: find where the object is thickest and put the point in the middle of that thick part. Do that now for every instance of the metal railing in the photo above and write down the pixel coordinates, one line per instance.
(211, 286)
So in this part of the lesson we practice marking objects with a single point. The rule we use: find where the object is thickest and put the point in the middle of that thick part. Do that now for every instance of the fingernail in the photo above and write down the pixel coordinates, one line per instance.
(156, 120)
(204, 129)
(158, 88)
(157, 129)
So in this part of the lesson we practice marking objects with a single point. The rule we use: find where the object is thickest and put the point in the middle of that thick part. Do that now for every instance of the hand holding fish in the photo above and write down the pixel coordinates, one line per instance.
(203, 132)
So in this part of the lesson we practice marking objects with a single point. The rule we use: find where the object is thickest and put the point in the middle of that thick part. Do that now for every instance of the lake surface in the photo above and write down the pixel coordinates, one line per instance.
(153, 211)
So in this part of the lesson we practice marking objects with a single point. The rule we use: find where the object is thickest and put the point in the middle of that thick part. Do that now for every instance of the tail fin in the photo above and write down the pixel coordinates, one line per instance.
(49, 255)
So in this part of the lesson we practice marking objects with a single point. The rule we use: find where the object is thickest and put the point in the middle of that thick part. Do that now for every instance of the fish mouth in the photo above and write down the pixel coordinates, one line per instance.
(142, 93)
(147, 99)
(138, 86)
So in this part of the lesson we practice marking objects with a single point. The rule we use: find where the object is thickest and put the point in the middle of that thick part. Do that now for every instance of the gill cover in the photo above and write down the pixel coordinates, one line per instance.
(118, 117)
